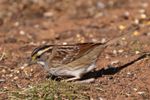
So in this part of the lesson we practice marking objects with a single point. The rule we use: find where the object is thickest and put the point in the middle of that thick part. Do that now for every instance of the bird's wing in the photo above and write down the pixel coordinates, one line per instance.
(66, 54)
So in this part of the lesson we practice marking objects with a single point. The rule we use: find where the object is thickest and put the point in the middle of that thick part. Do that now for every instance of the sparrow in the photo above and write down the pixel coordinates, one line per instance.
(72, 61)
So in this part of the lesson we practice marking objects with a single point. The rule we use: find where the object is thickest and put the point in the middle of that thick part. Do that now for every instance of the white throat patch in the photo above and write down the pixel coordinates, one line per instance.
(42, 63)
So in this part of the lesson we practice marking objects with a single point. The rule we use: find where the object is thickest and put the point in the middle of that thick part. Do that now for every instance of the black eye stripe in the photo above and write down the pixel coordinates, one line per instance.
(36, 50)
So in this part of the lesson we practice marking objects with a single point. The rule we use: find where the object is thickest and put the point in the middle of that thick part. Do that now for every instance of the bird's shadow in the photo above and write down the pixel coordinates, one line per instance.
(110, 70)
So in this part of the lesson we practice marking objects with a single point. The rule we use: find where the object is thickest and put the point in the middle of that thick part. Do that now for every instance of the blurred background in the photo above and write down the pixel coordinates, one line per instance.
(67, 20)
(26, 24)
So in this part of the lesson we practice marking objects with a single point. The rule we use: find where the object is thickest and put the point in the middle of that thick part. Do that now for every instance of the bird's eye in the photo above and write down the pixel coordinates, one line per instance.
(38, 57)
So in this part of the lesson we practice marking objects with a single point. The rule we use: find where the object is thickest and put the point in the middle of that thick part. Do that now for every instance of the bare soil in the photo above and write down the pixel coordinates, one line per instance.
(26, 24)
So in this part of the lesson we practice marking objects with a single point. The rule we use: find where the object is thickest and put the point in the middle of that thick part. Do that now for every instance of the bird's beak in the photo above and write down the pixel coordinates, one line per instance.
(29, 62)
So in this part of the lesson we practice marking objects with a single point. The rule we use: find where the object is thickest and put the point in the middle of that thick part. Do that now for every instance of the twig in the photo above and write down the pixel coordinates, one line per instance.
(2, 56)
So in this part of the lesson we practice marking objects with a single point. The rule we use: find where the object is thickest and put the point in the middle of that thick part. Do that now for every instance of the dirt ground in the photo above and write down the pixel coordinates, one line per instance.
(26, 24)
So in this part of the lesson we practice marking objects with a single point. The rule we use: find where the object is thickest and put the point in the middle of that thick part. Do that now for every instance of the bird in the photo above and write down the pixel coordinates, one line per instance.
(72, 60)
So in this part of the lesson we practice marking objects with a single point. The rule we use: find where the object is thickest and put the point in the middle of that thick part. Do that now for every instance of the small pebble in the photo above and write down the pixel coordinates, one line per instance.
(129, 73)
(3, 71)
(115, 52)
(22, 67)
(22, 32)
(5, 87)
(43, 42)
(136, 21)
(48, 14)
(142, 92)
(64, 43)
(122, 27)
(37, 26)
(10, 75)
(103, 40)
(16, 77)
(16, 24)
(135, 89)
(94, 40)
(137, 52)
(115, 62)
(107, 56)
(123, 38)
(120, 51)
(31, 70)
(127, 13)
(136, 33)
(17, 71)
(78, 35)
(143, 16)
(142, 11)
